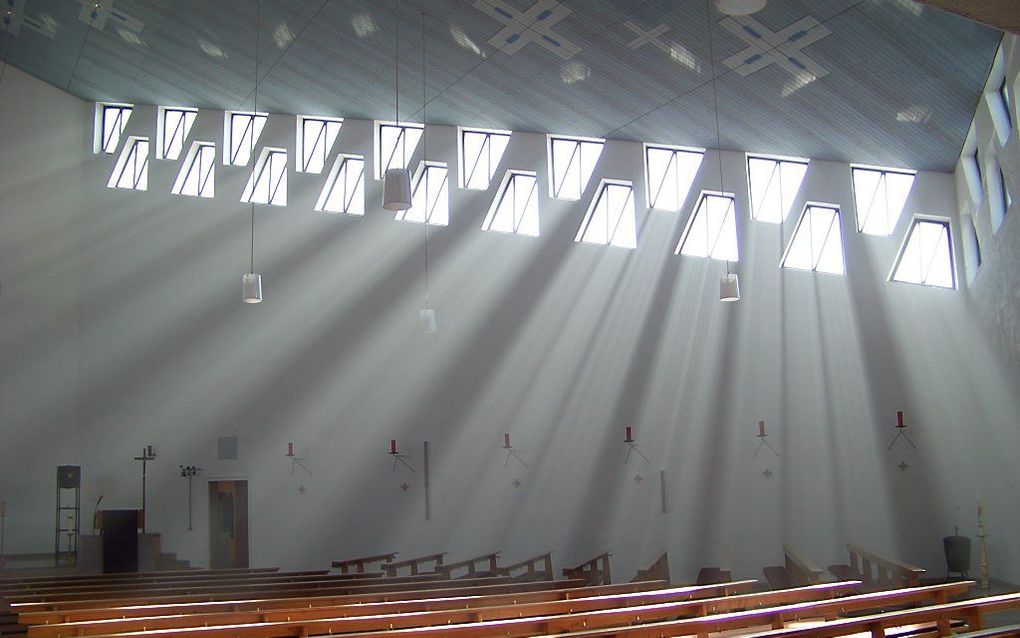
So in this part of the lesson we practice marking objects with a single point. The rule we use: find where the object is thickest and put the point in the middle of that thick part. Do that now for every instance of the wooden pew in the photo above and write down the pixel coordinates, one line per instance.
(42, 589)
(877, 571)
(506, 622)
(659, 570)
(380, 585)
(560, 589)
(486, 614)
(415, 565)
(358, 564)
(496, 606)
(800, 570)
(534, 568)
(595, 571)
(133, 576)
(488, 561)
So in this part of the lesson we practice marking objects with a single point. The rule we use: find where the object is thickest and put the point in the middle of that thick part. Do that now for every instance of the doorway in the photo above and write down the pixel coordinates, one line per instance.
(228, 524)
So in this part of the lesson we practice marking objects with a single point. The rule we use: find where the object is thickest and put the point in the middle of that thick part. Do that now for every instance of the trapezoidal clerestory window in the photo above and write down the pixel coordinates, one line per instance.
(395, 145)
(267, 183)
(610, 218)
(817, 242)
(197, 177)
(515, 208)
(173, 125)
(430, 200)
(132, 168)
(669, 173)
(711, 230)
(480, 152)
(879, 197)
(926, 257)
(111, 122)
(344, 191)
(241, 134)
(572, 161)
(773, 184)
(316, 137)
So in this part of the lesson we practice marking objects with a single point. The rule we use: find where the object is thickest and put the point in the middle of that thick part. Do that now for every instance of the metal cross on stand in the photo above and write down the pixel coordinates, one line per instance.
(632, 446)
(148, 454)
(398, 457)
(901, 431)
(189, 472)
(511, 452)
(764, 441)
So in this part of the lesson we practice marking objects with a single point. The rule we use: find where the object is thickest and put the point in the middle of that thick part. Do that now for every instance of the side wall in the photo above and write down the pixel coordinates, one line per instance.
(561, 344)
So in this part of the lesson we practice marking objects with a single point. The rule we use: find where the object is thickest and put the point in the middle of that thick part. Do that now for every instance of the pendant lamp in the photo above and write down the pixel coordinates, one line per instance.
(251, 281)
(397, 181)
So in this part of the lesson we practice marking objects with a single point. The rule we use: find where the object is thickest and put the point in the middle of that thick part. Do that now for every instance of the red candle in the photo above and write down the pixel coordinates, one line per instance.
(506, 439)
(393, 446)
(630, 436)
(761, 428)
(290, 448)
(899, 418)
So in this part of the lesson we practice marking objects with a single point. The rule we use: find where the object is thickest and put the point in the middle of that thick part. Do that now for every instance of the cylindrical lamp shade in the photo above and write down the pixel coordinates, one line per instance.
(427, 316)
(729, 287)
(251, 287)
(397, 189)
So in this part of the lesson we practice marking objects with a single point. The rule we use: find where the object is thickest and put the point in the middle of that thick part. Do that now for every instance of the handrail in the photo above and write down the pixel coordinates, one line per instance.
(414, 564)
(595, 571)
(659, 570)
(800, 570)
(471, 564)
(358, 564)
(530, 567)
(887, 571)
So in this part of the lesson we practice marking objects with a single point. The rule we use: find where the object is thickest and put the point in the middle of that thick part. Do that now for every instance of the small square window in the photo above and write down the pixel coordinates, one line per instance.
(172, 130)
(879, 197)
(316, 137)
(480, 152)
(572, 161)
(773, 185)
(111, 121)
(241, 134)
(669, 173)
(268, 181)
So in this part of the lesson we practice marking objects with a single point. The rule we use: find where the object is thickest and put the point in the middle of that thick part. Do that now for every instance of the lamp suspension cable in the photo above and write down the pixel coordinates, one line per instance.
(715, 102)
(74, 70)
(396, 62)
(424, 158)
(251, 145)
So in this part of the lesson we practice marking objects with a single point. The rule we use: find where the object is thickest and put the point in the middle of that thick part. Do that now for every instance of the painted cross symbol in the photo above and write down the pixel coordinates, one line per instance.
(678, 52)
(903, 466)
(767, 473)
(783, 48)
(404, 486)
(531, 26)
(302, 489)
(517, 483)
(638, 478)
(103, 11)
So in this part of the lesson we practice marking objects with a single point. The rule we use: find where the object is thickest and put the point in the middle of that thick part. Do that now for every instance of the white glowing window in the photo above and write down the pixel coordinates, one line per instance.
(268, 181)
(817, 242)
(927, 255)
(430, 202)
(111, 120)
(515, 209)
(610, 217)
(480, 153)
(132, 167)
(197, 175)
(394, 145)
(669, 173)
(571, 164)
(315, 139)
(241, 133)
(712, 229)
(172, 128)
(344, 191)
(773, 184)
(879, 196)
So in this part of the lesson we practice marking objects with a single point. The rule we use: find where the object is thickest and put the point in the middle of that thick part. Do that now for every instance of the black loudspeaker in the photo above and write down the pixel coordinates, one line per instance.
(120, 541)
(69, 476)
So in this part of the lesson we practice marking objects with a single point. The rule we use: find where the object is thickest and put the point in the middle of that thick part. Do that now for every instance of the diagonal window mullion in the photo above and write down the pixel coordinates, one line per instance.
(722, 226)
(477, 160)
(208, 174)
(350, 199)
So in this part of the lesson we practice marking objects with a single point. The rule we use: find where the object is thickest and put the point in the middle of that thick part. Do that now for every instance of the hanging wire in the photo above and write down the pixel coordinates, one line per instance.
(84, 41)
(8, 15)
(254, 118)
(424, 158)
(396, 59)
(715, 100)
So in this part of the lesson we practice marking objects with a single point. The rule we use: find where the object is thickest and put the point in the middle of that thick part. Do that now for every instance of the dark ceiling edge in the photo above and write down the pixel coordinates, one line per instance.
(977, 101)
(997, 14)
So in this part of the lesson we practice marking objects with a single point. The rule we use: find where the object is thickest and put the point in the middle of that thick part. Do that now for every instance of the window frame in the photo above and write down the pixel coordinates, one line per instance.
(192, 158)
(602, 190)
(838, 221)
(884, 170)
(421, 175)
(379, 125)
(779, 160)
(120, 166)
(705, 193)
(263, 162)
(653, 200)
(100, 145)
(184, 126)
(931, 219)
(554, 192)
(303, 159)
(506, 183)
(463, 180)
(228, 132)
(340, 164)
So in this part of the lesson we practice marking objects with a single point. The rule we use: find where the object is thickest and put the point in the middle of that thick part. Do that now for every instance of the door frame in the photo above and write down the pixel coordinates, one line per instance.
(208, 505)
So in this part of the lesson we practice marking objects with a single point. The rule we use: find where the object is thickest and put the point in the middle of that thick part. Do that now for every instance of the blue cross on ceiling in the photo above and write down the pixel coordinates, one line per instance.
(533, 25)
(784, 48)
(104, 10)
